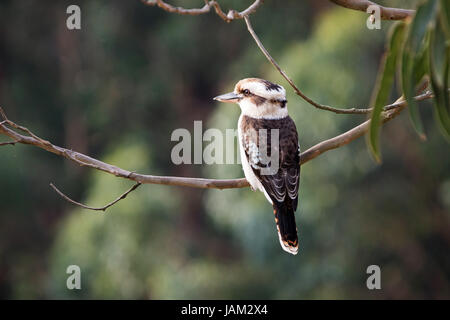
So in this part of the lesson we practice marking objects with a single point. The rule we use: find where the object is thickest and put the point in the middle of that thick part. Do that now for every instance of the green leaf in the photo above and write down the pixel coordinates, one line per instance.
(424, 16)
(412, 62)
(445, 17)
(421, 67)
(439, 59)
(383, 86)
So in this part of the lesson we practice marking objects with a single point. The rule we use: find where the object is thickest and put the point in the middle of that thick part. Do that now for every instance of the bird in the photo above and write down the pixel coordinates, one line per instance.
(264, 116)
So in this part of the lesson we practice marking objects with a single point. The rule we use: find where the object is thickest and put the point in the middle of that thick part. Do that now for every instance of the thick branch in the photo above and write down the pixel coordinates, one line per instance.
(232, 14)
(83, 160)
(386, 12)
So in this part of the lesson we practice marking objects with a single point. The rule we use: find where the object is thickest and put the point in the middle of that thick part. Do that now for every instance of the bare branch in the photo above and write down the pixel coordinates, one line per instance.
(246, 12)
(83, 160)
(218, 10)
(391, 111)
(16, 126)
(361, 5)
(232, 14)
(12, 143)
(386, 12)
(297, 90)
(179, 10)
(122, 196)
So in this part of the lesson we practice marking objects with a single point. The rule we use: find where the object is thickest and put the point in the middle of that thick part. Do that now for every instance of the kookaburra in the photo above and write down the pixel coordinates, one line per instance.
(264, 115)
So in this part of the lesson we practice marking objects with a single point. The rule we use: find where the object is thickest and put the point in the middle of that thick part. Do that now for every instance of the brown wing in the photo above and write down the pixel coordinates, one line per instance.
(285, 180)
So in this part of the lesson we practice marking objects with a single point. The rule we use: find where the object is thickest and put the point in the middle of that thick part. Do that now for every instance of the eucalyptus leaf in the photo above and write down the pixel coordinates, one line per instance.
(421, 66)
(383, 86)
(445, 17)
(439, 61)
(411, 61)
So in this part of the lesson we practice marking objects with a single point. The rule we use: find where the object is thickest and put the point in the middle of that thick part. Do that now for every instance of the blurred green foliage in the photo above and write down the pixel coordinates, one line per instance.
(118, 88)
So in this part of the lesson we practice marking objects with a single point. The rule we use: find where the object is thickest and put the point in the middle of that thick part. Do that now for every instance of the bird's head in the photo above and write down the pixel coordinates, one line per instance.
(258, 98)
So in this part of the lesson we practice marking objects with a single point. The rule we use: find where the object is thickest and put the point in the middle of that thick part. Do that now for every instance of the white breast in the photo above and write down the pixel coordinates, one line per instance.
(248, 172)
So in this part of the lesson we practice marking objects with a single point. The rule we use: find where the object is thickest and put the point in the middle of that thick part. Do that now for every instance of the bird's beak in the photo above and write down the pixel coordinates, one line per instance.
(228, 97)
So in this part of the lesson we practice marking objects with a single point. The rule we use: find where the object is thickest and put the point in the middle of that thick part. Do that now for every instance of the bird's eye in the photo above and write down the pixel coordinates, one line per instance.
(246, 92)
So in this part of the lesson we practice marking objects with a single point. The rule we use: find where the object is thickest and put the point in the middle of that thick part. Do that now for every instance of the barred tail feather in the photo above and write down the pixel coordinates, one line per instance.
(287, 229)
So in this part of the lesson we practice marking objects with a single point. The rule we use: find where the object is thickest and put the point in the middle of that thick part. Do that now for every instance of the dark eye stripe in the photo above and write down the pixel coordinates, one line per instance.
(257, 100)
(281, 102)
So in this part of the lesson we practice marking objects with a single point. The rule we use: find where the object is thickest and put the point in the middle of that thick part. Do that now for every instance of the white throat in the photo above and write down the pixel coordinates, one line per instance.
(266, 110)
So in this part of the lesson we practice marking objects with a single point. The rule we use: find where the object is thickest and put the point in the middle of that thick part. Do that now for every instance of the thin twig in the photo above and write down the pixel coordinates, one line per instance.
(291, 83)
(3, 115)
(361, 5)
(12, 143)
(385, 12)
(179, 10)
(16, 126)
(122, 196)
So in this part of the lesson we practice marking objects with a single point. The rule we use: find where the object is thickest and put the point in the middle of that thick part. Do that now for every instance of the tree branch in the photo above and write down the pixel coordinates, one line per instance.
(83, 160)
(386, 12)
(232, 14)
(391, 111)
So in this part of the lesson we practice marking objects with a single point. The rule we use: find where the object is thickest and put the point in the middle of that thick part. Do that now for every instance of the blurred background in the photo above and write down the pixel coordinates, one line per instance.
(117, 88)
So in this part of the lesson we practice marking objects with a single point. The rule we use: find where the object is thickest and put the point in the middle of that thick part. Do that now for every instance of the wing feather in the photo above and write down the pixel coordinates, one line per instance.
(286, 180)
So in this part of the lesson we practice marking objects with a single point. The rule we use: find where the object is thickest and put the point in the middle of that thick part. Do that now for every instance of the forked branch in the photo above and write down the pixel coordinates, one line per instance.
(232, 14)
(7, 126)
(10, 129)
(362, 5)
